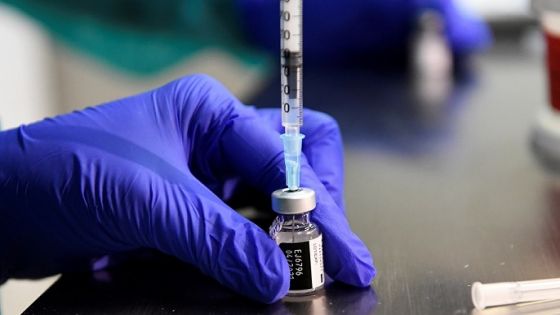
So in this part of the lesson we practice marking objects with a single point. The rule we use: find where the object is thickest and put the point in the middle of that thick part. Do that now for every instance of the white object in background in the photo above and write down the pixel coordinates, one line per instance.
(26, 95)
(546, 132)
(431, 54)
(432, 63)
(503, 293)
(17, 295)
(550, 22)
(26, 75)
(497, 10)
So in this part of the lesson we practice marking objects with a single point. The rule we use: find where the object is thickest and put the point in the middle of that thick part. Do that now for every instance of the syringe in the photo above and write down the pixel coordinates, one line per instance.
(503, 293)
(291, 61)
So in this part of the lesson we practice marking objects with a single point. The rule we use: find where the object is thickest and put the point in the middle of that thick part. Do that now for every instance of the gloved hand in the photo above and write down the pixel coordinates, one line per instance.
(153, 171)
(339, 30)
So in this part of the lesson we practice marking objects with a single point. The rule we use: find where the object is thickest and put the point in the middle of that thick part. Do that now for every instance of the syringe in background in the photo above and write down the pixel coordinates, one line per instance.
(291, 61)
(503, 293)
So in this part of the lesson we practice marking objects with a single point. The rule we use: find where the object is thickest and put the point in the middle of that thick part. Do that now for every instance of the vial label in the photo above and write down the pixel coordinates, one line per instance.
(305, 260)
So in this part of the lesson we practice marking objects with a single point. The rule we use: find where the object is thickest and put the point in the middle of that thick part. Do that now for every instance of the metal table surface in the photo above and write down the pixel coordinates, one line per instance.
(443, 194)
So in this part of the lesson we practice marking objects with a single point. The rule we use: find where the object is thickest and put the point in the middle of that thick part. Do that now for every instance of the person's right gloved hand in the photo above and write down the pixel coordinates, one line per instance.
(153, 171)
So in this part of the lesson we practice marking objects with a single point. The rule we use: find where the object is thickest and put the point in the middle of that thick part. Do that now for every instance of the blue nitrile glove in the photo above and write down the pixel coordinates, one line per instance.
(337, 29)
(151, 171)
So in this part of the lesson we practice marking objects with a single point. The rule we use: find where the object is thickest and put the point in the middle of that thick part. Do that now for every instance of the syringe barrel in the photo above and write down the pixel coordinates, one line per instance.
(534, 290)
(291, 55)
(503, 293)
(291, 24)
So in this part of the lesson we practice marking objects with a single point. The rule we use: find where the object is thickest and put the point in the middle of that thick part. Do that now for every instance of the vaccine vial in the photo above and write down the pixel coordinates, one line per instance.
(299, 239)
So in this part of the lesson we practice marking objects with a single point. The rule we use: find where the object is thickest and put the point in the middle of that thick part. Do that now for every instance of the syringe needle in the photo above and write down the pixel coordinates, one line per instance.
(292, 158)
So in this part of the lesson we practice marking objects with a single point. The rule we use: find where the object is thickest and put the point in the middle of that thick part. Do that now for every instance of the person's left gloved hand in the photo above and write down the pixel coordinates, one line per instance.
(335, 30)
(153, 171)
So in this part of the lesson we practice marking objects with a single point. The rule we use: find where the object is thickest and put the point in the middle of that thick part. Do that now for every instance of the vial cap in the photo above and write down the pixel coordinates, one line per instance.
(285, 201)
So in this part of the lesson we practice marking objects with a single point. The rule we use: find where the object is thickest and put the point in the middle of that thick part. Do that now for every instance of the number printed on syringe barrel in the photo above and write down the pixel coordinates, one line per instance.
(291, 55)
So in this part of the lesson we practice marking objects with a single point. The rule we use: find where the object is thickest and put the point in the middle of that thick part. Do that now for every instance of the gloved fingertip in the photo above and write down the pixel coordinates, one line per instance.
(355, 265)
(278, 289)
(237, 253)
(276, 281)
(263, 270)
(365, 274)
(360, 272)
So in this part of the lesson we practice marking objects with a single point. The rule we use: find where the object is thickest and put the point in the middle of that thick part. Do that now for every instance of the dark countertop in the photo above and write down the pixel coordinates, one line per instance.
(444, 193)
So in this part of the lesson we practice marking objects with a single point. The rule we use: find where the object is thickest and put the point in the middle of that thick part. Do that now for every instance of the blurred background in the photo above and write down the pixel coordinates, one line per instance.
(57, 56)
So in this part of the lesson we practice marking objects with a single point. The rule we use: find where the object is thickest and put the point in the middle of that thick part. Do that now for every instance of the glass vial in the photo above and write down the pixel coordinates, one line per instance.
(299, 239)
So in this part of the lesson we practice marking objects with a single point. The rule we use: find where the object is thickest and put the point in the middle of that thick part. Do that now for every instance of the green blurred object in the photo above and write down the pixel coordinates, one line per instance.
(144, 36)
